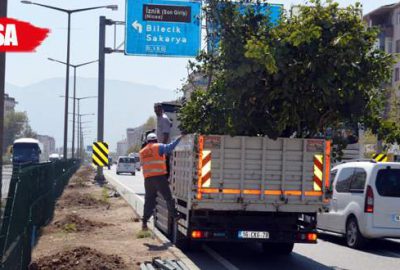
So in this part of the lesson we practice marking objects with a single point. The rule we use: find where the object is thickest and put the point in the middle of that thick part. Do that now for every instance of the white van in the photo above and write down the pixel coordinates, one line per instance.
(126, 165)
(365, 202)
(54, 157)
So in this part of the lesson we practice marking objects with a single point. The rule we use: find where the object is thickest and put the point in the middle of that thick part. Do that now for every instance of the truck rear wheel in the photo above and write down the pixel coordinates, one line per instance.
(278, 248)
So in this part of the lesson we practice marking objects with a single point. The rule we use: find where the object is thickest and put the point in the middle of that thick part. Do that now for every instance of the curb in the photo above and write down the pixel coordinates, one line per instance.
(137, 203)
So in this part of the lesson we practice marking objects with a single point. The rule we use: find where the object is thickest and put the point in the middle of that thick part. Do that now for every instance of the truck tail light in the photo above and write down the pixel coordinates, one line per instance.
(369, 200)
(306, 238)
(311, 237)
(197, 234)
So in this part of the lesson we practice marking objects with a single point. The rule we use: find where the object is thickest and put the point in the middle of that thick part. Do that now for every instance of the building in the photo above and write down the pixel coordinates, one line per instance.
(196, 80)
(9, 103)
(49, 145)
(387, 18)
(134, 135)
(122, 147)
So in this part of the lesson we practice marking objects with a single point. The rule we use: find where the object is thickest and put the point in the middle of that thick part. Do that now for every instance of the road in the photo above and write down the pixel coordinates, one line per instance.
(6, 177)
(329, 253)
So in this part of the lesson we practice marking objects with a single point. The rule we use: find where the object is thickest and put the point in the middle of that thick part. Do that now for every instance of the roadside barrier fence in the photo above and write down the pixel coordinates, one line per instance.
(32, 195)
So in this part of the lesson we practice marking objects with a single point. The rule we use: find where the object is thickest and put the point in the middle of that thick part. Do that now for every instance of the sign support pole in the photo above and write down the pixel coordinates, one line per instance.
(100, 109)
(103, 50)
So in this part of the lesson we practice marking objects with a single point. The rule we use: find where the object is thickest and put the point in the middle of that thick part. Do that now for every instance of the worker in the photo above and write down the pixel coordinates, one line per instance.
(163, 130)
(153, 159)
(163, 124)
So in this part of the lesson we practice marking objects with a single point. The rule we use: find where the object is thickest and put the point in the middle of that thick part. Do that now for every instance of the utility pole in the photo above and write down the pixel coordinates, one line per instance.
(3, 13)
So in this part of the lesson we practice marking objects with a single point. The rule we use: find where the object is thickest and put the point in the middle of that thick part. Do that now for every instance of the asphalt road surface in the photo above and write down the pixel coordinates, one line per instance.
(330, 252)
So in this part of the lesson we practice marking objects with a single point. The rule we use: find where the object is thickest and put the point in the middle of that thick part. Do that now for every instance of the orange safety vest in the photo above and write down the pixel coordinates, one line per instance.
(153, 164)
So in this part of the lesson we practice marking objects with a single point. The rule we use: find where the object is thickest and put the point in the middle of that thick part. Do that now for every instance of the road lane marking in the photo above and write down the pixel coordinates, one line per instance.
(228, 265)
(125, 186)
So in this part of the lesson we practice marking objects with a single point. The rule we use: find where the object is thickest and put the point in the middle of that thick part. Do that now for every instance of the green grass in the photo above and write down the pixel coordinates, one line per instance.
(104, 196)
(144, 234)
(69, 228)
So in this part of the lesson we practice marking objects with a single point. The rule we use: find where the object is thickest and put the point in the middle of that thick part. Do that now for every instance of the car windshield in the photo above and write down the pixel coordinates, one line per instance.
(25, 152)
(388, 182)
(127, 160)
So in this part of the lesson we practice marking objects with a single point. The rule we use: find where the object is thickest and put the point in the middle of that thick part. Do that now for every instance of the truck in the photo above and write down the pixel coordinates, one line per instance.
(246, 189)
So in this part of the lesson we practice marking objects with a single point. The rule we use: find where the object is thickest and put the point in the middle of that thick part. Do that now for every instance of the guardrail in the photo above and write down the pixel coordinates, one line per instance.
(30, 204)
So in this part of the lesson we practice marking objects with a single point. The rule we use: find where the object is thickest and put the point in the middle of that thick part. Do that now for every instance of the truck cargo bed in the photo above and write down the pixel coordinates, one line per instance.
(224, 173)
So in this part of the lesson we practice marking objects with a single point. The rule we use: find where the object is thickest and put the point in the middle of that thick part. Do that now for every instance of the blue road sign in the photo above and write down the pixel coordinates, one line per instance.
(163, 28)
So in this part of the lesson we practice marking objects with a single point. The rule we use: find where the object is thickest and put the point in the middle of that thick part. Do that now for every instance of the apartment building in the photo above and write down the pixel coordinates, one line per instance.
(122, 147)
(134, 135)
(387, 18)
(49, 145)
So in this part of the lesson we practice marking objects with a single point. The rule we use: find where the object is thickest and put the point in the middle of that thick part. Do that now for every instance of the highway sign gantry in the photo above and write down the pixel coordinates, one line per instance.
(163, 28)
(100, 154)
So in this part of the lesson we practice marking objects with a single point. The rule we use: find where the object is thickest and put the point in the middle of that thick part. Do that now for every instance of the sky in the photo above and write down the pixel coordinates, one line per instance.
(168, 73)
(28, 68)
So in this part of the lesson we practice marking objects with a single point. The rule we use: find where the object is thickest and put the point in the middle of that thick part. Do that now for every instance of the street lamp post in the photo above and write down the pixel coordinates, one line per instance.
(81, 129)
(74, 114)
(74, 96)
(69, 13)
(79, 126)
(80, 133)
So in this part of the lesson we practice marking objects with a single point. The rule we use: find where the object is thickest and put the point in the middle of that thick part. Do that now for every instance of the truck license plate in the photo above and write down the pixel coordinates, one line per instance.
(253, 235)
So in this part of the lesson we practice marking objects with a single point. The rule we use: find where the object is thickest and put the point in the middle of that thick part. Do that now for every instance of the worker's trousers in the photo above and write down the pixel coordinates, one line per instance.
(152, 185)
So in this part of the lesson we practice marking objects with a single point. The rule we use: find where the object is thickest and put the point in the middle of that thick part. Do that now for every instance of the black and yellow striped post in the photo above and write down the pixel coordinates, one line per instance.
(380, 157)
(100, 154)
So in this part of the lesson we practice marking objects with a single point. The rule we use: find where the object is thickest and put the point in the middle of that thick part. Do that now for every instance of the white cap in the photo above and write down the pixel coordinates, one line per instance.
(151, 137)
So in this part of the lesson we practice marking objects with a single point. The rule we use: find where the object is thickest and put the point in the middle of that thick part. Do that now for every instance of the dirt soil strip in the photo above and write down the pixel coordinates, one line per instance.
(136, 202)
(92, 231)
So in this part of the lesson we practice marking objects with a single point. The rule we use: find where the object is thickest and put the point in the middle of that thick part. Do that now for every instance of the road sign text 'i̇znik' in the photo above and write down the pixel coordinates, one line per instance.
(163, 28)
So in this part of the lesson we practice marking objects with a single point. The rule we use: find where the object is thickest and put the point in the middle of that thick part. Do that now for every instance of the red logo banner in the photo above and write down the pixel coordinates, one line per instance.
(19, 36)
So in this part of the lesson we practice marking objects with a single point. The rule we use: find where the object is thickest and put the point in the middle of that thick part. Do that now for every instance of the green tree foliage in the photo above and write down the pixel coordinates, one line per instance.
(16, 125)
(150, 123)
(312, 71)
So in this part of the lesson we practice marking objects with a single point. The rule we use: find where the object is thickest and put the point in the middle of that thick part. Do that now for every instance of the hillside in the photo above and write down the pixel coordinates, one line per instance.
(126, 105)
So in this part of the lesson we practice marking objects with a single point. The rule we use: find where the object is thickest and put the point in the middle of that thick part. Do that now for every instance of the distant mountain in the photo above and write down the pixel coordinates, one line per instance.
(126, 105)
